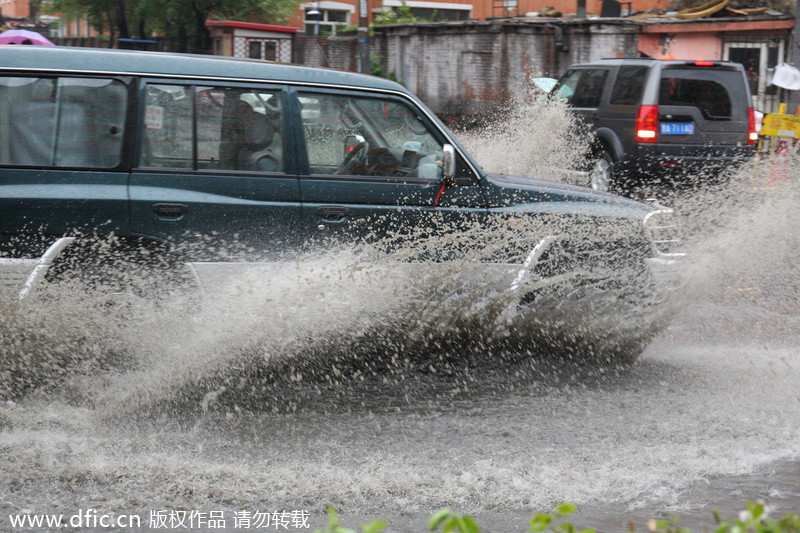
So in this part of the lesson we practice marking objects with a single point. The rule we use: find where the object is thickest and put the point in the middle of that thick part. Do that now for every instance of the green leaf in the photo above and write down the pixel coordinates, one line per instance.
(756, 510)
(374, 527)
(539, 522)
(467, 524)
(333, 520)
(566, 509)
(437, 518)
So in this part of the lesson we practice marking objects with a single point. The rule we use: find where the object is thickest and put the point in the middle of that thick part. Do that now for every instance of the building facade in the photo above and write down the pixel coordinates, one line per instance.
(475, 67)
(254, 41)
(325, 17)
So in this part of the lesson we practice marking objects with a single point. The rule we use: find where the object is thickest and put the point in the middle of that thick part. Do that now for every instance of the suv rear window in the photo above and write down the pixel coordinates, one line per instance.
(717, 93)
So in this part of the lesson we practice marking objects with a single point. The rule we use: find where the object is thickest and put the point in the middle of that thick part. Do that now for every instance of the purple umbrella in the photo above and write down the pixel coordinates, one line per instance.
(24, 37)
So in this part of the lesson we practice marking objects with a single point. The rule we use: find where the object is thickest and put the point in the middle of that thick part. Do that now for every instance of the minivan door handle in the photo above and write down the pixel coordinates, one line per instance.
(332, 213)
(169, 210)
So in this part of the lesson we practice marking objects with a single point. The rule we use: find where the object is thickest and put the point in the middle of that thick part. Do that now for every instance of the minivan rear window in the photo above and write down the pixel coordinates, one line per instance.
(62, 122)
(714, 92)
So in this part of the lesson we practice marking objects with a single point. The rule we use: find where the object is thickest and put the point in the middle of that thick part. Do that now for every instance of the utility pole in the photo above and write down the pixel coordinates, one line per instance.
(793, 100)
(363, 37)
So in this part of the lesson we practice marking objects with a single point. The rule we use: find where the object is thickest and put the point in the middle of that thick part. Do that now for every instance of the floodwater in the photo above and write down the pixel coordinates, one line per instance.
(309, 387)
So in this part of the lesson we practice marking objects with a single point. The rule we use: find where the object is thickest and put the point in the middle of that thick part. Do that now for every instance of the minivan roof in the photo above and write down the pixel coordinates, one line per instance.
(127, 62)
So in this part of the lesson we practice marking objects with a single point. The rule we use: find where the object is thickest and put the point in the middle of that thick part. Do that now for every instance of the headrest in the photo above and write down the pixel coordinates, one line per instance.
(259, 130)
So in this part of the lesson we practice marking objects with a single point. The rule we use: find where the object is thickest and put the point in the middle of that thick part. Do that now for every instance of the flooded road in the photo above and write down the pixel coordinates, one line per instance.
(261, 401)
(696, 423)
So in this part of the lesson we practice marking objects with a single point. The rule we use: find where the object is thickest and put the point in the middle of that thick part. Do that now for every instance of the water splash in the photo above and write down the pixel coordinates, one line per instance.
(327, 381)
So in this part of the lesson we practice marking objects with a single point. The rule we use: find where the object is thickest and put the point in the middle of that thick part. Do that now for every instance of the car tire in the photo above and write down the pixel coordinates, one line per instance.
(602, 175)
(120, 270)
(604, 300)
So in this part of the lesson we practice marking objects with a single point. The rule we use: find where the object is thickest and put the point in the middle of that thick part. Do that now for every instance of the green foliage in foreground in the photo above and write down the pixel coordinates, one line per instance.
(335, 527)
(755, 519)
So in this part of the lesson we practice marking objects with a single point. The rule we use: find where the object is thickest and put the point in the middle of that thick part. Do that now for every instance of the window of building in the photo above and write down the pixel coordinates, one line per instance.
(757, 57)
(254, 49)
(262, 49)
(325, 21)
(438, 14)
(430, 10)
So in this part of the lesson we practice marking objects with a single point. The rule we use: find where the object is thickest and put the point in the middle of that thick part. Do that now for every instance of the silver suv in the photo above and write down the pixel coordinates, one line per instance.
(661, 120)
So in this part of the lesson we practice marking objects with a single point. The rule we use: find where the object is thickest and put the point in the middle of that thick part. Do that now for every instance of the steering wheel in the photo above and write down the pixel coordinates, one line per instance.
(357, 155)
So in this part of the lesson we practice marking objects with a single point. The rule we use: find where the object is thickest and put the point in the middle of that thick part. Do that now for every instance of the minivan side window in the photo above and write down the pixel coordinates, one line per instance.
(62, 122)
(590, 88)
(362, 135)
(213, 128)
(629, 85)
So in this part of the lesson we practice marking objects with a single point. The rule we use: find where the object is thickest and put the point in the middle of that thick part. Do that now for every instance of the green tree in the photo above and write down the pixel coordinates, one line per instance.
(403, 15)
(181, 21)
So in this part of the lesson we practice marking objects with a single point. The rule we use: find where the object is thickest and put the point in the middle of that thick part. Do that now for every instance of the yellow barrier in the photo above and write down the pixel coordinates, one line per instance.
(786, 126)
(781, 132)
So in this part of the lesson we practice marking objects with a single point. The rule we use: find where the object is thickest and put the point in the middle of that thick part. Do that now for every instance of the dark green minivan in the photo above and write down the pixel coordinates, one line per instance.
(180, 162)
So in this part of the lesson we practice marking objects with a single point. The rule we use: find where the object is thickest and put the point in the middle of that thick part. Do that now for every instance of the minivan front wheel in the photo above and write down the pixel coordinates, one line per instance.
(117, 272)
(601, 173)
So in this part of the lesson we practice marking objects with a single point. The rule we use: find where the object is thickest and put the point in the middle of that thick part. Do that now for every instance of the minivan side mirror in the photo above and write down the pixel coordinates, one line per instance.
(448, 162)
(448, 172)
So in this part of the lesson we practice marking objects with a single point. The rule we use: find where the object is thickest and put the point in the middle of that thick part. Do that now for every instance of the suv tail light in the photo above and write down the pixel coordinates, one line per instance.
(752, 134)
(647, 124)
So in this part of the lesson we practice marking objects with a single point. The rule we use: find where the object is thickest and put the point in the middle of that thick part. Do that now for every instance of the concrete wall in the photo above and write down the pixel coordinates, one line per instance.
(474, 68)
(468, 69)
(328, 52)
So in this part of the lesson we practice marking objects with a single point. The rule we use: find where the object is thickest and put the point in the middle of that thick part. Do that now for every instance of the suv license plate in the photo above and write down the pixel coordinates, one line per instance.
(677, 128)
